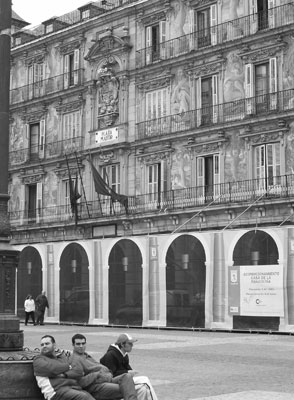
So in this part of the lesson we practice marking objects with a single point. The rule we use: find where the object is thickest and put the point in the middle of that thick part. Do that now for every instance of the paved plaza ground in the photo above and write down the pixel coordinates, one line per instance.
(186, 365)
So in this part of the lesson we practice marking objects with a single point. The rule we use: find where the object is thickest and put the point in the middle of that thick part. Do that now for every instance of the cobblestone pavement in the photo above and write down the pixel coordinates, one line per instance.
(186, 365)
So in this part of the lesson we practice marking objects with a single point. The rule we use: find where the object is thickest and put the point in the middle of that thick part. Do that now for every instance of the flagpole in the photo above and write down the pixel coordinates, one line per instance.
(99, 200)
(72, 198)
(82, 183)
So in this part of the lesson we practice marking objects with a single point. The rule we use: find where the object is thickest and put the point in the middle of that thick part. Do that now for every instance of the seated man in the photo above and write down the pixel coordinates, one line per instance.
(54, 374)
(117, 360)
(96, 378)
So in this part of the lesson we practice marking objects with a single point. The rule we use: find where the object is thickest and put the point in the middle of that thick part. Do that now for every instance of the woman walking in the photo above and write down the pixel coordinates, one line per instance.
(29, 306)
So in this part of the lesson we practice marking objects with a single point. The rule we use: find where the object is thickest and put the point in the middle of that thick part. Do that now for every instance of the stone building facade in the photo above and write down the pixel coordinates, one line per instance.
(186, 107)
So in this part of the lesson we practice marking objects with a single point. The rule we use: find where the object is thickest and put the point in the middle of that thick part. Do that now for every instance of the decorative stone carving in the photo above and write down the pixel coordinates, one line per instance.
(157, 83)
(107, 156)
(108, 45)
(66, 48)
(108, 97)
(265, 136)
(69, 107)
(156, 156)
(34, 116)
(264, 53)
(216, 145)
(207, 69)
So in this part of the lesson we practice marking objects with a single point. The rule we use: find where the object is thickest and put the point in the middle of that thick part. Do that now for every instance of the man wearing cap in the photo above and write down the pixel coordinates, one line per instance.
(117, 360)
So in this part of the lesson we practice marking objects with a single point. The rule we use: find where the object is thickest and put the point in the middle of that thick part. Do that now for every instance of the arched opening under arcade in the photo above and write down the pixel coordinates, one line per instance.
(185, 283)
(74, 284)
(125, 284)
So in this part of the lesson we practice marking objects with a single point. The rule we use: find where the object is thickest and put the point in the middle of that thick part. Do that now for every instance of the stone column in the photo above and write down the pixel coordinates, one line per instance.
(153, 279)
(219, 273)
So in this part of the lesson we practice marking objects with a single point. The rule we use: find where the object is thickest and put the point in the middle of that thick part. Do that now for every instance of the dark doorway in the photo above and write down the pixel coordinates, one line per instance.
(125, 284)
(29, 277)
(74, 285)
(185, 283)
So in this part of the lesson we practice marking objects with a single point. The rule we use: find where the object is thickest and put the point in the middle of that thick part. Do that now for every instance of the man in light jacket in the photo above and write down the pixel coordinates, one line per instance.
(54, 374)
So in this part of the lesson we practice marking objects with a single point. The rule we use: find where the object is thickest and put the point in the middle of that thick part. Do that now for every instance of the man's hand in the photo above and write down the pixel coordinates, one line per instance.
(132, 372)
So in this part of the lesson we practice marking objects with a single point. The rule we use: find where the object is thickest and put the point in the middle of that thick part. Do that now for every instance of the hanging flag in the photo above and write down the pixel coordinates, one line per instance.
(73, 193)
(101, 187)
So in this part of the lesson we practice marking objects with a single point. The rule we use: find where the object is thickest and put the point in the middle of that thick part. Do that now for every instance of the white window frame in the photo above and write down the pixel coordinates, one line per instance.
(71, 72)
(161, 39)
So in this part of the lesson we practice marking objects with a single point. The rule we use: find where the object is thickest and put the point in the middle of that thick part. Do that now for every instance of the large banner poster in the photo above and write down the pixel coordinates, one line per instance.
(257, 290)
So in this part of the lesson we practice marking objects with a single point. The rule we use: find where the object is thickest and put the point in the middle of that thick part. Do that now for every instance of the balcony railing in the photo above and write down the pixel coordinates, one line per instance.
(247, 191)
(47, 151)
(227, 31)
(207, 115)
(47, 86)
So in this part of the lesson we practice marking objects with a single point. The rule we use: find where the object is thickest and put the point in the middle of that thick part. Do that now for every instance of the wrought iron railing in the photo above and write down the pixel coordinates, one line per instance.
(47, 86)
(247, 191)
(221, 33)
(47, 151)
(265, 104)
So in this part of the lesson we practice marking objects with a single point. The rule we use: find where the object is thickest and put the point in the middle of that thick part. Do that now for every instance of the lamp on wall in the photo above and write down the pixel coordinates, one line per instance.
(255, 257)
(185, 261)
(29, 267)
(73, 266)
(125, 262)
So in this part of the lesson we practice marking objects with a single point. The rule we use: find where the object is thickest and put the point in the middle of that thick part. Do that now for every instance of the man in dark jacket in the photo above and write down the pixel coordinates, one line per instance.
(117, 360)
(54, 374)
(41, 303)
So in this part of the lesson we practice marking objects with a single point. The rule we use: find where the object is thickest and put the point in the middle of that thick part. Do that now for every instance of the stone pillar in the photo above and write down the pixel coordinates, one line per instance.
(219, 274)
(153, 279)
(98, 279)
(290, 276)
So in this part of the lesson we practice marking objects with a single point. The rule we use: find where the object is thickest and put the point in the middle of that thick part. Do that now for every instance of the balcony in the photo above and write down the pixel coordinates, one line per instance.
(217, 34)
(45, 152)
(208, 115)
(223, 194)
(52, 85)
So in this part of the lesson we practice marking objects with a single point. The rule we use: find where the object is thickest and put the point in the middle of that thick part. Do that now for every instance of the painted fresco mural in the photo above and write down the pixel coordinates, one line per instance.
(179, 20)
(236, 159)
(181, 170)
(50, 190)
(181, 97)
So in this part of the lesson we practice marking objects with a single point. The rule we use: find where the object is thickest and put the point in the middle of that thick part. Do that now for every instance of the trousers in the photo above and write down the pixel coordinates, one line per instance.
(122, 386)
(68, 393)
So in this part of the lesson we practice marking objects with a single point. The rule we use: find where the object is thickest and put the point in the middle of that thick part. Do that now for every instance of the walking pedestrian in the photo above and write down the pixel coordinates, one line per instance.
(29, 306)
(41, 305)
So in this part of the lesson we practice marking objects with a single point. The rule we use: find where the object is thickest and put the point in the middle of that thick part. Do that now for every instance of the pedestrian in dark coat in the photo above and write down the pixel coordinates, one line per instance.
(41, 305)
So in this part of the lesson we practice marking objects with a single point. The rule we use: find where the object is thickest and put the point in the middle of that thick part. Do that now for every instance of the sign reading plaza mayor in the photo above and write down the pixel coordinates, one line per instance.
(106, 135)
(256, 290)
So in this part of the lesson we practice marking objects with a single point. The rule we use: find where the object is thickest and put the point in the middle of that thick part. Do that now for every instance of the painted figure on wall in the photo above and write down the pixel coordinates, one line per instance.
(234, 79)
(181, 98)
(232, 11)
(181, 20)
(181, 170)
(289, 77)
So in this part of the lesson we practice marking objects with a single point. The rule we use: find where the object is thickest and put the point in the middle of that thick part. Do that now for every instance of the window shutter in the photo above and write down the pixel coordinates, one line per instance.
(214, 99)
(249, 86)
(193, 29)
(148, 45)
(149, 106)
(213, 24)
(253, 23)
(22, 211)
(273, 162)
(27, 140)
(200, 177)
(30, 81)
(216, 175)
(162, 39)
(163, 195)
(42, 139)
(66, 71)
(273, 82)
(260, 166)
(39, 201)
(76, 66)
(271, 13)
(198, 101)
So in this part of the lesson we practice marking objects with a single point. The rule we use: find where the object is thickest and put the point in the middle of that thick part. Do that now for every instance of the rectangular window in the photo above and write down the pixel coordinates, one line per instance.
(261, 86)
(36, 136)
(86, 14)
(206, 21)
(34, 195)
(155, 38)
(49, 28)
(71, 68)
(66, 194)
(71, 126)
(111, 175)
(156, 104)
(267, 165)
(36, 80)
(207, 100)
(208, 177)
